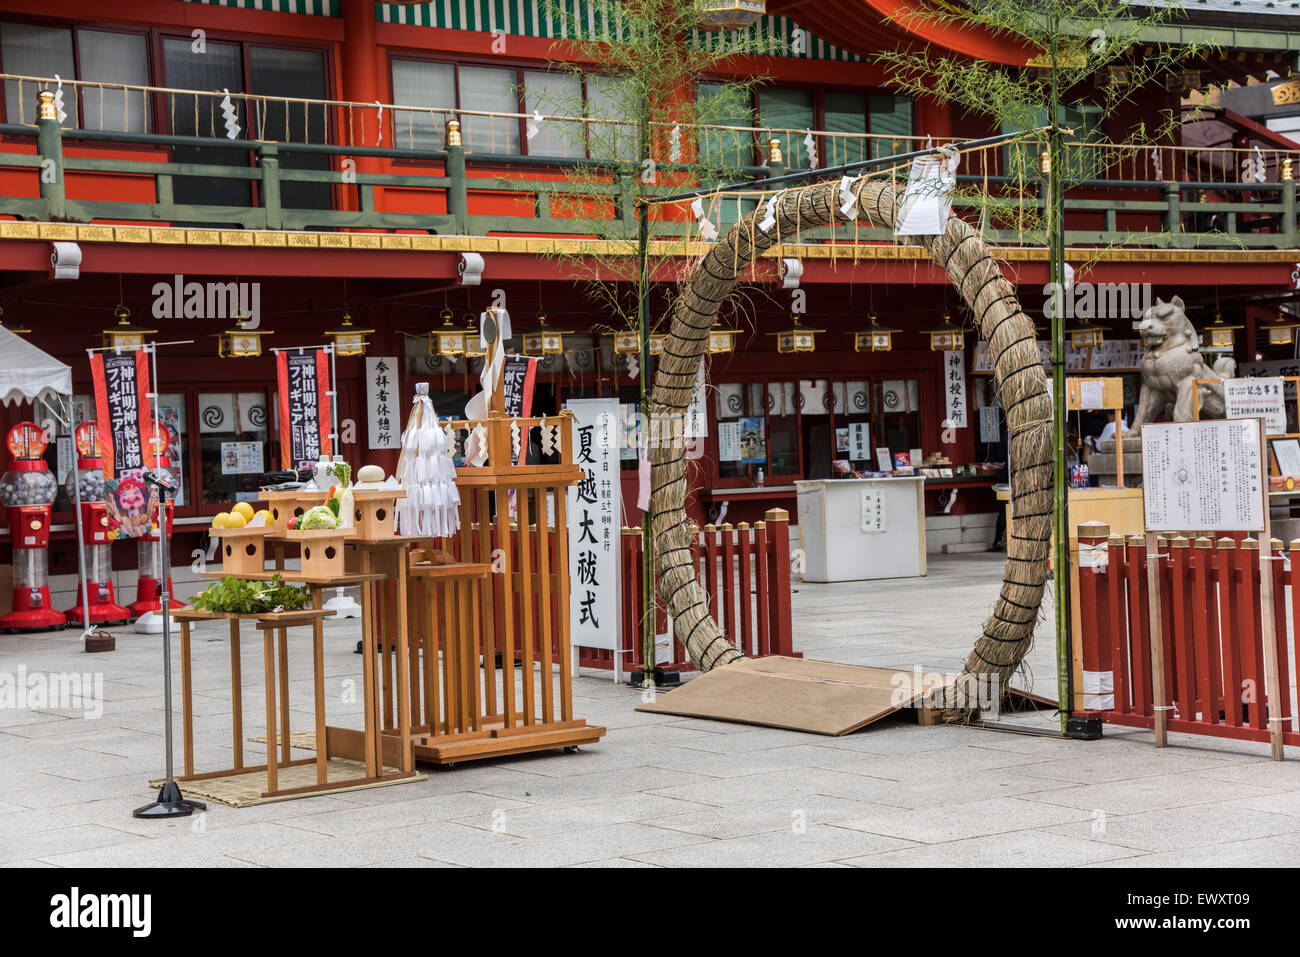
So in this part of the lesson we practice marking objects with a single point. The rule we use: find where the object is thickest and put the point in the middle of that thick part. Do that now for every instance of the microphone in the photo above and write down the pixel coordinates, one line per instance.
(166, 490)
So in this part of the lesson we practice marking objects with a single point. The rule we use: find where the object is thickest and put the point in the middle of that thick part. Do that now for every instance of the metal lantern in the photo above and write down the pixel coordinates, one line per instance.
(875, 337)
(730, 14)
(1281, 332)
(474, 347)
(240, 342)
(348, 339)
(1219, 335)
(722, 339)
(627, 342)
(1183, 81)
(797, 338)
(1086, 335)
(946, 337)
(124, 335)
(448, 340)
(544, 341)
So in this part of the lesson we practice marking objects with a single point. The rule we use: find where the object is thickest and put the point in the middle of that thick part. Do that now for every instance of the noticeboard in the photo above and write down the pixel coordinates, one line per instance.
(1204, 476)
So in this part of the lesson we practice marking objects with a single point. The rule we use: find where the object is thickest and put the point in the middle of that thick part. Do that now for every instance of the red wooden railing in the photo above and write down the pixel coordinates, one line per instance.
(1211, 632)
(745, 571)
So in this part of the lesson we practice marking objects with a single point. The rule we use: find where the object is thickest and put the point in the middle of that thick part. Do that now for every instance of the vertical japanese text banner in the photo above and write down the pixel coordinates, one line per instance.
(381, 387)
(595, 515)
(304, 385)
(121, 382)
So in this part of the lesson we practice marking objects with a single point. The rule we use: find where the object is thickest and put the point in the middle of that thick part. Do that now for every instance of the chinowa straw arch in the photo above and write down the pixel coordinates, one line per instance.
(1018, 371)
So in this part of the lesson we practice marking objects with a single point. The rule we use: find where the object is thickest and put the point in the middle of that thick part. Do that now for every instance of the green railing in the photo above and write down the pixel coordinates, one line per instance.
(1154, 213)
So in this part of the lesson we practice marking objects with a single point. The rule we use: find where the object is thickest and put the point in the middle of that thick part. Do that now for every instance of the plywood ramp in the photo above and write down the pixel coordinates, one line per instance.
(794, 693)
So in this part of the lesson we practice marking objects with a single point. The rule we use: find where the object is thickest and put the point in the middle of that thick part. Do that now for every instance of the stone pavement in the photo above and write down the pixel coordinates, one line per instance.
(658, 790)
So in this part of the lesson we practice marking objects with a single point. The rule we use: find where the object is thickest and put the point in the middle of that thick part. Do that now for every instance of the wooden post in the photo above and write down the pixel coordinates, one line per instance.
(1268, 625)
(1158, 693)
(1119, 447)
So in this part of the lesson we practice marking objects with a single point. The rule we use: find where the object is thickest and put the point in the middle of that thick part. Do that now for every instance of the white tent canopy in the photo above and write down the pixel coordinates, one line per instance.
(29, 375)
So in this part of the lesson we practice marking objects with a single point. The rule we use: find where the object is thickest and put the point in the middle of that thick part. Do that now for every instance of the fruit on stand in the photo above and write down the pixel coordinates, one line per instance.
(236, 519)
(220, 519)
(244, 509)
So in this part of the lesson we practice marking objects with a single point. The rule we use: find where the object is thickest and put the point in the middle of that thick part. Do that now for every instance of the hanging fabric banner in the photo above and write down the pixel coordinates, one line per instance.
(305, 426)
(121, 382)
(517, 380)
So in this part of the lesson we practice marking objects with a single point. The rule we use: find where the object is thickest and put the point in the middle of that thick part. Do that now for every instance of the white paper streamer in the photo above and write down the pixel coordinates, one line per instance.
(675, 144)
(769, 214)
(432, 503)
(708, 232)
(228, 111)
(633, 366)
(810, 147)
(533, 125)
(58, 99)
(1253, 168)
(848, 201)
(379, 122)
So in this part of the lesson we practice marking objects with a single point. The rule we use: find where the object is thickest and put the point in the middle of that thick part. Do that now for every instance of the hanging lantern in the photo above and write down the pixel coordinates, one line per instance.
(1280, 331)
(447, 341)
(1086, 335)
(875, 337)
(240, 342)
(627, 342)
(474, 348)
(797, 338)
(124, 335)
(1219, 335)
(657, 342)
(722, 339)
(544, 341)
(947, 337)
(348, 339)
(730, 14)
(1183, 81)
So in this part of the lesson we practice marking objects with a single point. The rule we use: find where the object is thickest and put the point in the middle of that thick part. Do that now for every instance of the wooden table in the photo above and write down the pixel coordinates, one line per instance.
(368, 745)
(274, 627)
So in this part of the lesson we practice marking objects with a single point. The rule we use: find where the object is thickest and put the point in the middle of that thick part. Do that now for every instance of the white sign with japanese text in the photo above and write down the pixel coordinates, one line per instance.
(1260, 397)
(595, 517)
(382, 406)
(697, 417)
(1203, 476)
(954, 389)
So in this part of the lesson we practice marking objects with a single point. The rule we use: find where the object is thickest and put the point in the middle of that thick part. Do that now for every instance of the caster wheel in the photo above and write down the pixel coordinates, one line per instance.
(571, 749)
(359, 651)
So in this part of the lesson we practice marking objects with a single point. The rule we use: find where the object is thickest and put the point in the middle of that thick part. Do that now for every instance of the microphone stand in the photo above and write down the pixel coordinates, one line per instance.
(170, 801)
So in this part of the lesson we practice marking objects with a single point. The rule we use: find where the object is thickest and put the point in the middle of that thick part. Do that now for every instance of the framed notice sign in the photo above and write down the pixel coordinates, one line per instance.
(1204, 476)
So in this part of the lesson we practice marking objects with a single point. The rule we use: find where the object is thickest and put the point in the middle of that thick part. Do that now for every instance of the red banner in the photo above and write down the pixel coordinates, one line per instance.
(305, 420)
(121, 382)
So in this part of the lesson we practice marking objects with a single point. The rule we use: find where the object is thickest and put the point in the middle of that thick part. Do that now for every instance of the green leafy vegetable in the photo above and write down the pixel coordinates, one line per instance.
(343, 472)
(322, 516)
(333, 504)
(236, 596)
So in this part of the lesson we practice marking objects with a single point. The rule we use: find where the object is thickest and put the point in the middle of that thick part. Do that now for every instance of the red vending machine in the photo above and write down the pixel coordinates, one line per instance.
(148, 589)
(89, 476)
(27, 490)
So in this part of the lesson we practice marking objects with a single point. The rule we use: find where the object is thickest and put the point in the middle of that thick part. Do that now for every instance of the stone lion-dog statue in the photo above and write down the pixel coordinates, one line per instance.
(1171, 365)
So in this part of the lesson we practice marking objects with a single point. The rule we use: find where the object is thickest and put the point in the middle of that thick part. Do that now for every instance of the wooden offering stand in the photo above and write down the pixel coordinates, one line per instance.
(374, 511)
(284, 505)
(243, 550)
(499, 594)
(322, 550)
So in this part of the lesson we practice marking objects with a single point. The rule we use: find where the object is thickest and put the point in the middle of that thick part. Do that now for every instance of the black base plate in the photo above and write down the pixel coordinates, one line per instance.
(170, 803)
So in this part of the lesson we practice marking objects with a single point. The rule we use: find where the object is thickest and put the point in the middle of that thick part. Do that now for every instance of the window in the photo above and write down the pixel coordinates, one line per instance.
(96, 55)
(558, 94)
(465, 90)
(220, 68)
(233, 445)
(788, 114)
(294, 74)
(718, 105)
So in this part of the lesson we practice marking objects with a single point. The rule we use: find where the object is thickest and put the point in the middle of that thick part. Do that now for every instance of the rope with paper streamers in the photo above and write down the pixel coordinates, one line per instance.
(431, 507)
(1008, 633)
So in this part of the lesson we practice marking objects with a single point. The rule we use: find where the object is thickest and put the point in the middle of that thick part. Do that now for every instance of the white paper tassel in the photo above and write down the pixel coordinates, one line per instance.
(708, 232)
(228, 112)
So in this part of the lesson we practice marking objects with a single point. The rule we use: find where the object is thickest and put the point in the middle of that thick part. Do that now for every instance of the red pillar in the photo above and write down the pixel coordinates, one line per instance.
(933, 118)
(363, 81)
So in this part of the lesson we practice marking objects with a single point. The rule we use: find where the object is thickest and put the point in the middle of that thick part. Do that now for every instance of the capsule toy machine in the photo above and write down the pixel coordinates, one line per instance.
(27, 491)
(96, 532)
(149, 585)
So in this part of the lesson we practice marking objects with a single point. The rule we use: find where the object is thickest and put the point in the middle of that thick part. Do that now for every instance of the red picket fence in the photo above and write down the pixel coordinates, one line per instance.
(1211, 632)
(745, 571)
